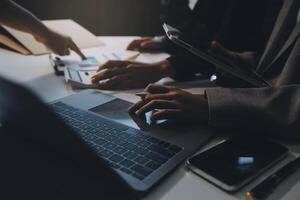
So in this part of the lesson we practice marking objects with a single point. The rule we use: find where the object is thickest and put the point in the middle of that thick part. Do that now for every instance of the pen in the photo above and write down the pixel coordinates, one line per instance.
(265, 188)
(143, 95)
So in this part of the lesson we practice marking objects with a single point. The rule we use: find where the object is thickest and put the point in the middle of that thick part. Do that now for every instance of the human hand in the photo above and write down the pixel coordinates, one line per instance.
(147, 45)
(171, 103)
(58, 43)
(126, 74)
(246, 60)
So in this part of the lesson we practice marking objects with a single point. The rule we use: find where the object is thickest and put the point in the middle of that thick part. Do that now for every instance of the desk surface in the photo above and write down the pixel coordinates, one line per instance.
(36, 73)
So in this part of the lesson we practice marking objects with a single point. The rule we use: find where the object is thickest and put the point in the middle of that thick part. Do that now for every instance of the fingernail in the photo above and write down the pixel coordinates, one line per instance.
(103, 82)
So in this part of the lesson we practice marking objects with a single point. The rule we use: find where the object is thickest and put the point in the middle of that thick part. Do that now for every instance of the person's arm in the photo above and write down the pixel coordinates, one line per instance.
(271, 111)
(15, 16)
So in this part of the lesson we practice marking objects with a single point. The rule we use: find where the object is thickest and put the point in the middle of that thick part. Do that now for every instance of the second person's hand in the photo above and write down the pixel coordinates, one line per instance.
(58, 43)
(171, 103)
(127, 75)
(147, 44)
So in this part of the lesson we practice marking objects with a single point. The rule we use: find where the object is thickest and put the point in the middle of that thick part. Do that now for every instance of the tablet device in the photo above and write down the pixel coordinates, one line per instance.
(248, 75)
(235, 162)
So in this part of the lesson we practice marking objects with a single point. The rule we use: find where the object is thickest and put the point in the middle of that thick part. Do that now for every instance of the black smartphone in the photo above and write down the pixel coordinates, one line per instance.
(235, 162)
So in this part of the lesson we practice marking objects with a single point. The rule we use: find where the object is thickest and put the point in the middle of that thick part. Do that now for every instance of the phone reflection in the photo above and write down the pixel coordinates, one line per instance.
(245, 164)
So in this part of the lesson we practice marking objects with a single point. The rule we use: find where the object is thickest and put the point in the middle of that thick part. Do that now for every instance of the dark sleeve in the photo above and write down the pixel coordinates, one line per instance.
(176, 12)
(257, 111)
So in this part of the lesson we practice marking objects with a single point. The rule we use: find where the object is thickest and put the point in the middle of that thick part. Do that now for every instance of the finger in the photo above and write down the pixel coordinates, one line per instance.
(166, 114)
(66, 52)
(150, 46)
(115, 82)
(114, 64)
(135, 44)
(164, 96)
(136, 107)
(108, 73)
(76, 49)
(157, 89)
(157, 104)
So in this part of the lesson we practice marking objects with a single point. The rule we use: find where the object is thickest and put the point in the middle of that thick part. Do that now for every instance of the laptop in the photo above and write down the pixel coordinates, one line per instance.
(42, 158)
(102, 138)
(141, 152)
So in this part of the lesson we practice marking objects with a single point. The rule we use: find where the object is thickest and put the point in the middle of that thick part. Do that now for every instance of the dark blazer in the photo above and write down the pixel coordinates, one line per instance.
(268, 110)
(231, 22)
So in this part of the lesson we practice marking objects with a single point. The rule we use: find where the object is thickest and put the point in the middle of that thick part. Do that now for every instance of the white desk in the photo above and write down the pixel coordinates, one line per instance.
(37, 74)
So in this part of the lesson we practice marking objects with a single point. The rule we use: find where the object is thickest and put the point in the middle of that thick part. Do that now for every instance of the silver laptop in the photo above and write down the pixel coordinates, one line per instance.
(141, 152)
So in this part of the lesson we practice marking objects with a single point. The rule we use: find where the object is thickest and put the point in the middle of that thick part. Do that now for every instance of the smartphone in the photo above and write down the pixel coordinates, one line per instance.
(81, 79)
(235, 162)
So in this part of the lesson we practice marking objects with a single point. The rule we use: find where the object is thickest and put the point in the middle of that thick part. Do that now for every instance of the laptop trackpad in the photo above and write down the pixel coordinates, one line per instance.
(116, 110)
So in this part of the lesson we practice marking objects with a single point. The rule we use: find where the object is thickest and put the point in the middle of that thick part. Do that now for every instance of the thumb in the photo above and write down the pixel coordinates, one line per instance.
(147, 44)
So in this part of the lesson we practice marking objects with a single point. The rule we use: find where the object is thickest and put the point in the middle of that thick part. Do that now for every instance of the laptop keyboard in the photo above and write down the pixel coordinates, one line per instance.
(124, 148)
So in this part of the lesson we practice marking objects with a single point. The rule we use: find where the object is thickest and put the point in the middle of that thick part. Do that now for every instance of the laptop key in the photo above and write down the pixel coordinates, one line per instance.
(98, 148)
(94, 130)
(132, 132)
(110, 146)
(131, 147)
(141, 151)
(98, 125)
(130, 155)
(111, 138)
(124, 135)
(91, 144)
(144, 144)
(141, 160)
(91, 138)
(102, 134)
(125, 170)
(145, 171)
(120, 142)
(114, 165)
(156, 157)
(100, 141)
(116, 158)
(82, 132)
(127, 163)
(138, 176)
(114, 132)
(161, 151)
(134, 140)
(119, 150)
(106, 128)
(153, 165)
(106, 153)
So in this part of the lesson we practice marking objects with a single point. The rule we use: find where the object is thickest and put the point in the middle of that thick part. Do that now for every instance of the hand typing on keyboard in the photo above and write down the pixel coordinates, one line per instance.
(125, 149)
(171, 103)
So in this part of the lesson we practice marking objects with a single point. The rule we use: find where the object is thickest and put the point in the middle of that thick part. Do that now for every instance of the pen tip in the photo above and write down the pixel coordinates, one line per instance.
(249, 196)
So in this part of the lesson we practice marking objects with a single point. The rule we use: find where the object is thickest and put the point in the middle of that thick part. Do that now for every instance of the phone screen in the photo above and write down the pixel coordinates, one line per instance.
(237, 160)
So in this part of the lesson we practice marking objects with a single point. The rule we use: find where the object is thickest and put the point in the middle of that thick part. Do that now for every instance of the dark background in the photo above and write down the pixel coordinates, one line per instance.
(112, 17)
